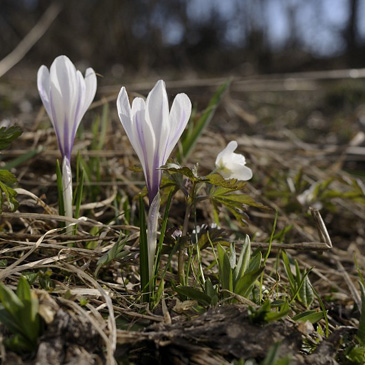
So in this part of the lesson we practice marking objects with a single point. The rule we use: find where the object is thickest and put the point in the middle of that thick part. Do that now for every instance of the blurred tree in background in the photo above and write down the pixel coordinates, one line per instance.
(207, 36)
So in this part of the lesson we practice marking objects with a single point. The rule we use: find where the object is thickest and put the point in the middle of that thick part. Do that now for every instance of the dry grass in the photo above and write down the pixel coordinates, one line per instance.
(266, 126)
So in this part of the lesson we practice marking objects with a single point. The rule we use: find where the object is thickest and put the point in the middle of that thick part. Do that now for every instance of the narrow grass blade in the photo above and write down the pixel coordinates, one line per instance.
(21, 159)
(103, 126)
(361, 330)
(78, 194)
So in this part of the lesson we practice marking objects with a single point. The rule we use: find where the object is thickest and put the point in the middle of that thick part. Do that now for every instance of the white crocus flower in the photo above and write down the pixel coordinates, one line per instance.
(153, 131)
(232, 165)
(66, 96)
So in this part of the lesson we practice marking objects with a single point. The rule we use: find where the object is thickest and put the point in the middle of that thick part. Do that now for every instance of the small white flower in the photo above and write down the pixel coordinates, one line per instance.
(232, 165)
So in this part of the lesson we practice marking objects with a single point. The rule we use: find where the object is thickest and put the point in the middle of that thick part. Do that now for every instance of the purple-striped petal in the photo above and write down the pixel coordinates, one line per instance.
(152, 130)
(66, 96)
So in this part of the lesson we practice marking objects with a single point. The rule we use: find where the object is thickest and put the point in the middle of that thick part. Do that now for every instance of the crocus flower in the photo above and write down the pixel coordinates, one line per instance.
(66, 96)
(153, 130)
(232, 165)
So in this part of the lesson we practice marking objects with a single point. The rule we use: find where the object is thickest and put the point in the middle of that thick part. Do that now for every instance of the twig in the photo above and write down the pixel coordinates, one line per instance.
(30, 39)
(300, 246)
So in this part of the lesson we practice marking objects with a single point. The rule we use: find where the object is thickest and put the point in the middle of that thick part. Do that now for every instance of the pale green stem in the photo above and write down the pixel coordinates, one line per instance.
(67, 191)
(152, 225)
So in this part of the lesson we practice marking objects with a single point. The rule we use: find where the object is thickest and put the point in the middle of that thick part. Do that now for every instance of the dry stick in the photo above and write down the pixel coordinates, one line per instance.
(80, 221)
(4, 273)
(30, 39)
(110, 359)
(111, 345)
(349, 283)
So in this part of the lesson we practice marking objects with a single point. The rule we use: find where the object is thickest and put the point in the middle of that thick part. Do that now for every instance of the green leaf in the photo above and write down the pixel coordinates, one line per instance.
(245, 283)
(78, 194)
(22, 159)
(189, 140)
(194, 294)
(173, 168)
(255, 262)
(23, 289)
(10, 195)
(311, 316)
(18, 343)
(356, 355)
(276, 315)
(7, 177)
(361, 330)
(116, 252)
(8, 321)
(229, 185)
(272, 355)
(289, 274)
(10, 300)
(211, 291)
(8, 135)
(266, 313)
(224, 267)
(243, 260)
(61, 206)
(306, 292)
(232, 256)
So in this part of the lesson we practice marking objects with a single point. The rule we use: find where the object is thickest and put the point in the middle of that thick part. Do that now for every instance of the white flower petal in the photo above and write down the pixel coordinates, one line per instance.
(66, 96)
(157, 106)
(124, 111)
(152, 130)
(144, 140)
(232, 165)
(63, 78)
(179, 117)
(90, 84)
(43, 84)
(225, 154)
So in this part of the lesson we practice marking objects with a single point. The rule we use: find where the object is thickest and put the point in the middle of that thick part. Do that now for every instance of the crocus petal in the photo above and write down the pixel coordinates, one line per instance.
(158, 110)
(43, 84)
(58, 117)
(63, 78)
(124, 112)
(144, 141)
(66, 96)
(90, 88)
(79, 107)
(152, 130)
(179, 117)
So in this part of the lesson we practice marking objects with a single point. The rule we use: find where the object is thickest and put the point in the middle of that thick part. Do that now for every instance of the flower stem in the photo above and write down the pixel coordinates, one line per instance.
(152, 224)
(67, 190)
